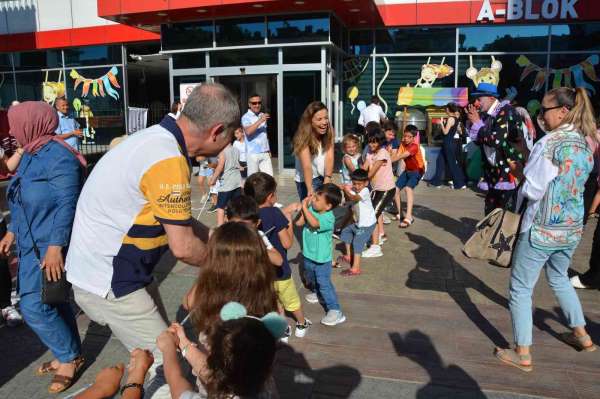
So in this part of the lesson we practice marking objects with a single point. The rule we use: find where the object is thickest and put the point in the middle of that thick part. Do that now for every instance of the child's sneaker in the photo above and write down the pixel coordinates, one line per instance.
(301, 329)
(12, 316)
(386, 220)
(374, 251)
(286, 337)
(382, 239)
(312, 298)
(333, 317)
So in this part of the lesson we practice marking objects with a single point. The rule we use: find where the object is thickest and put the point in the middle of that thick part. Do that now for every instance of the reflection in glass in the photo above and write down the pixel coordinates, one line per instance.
(504, 38)
(186, 35)
(93, 55)
(576, 37)
(299, 89)
(189, 60)
(234, 32)
(301, 55)
(419, 40)
(302, 28)
(29, 85)
(37, 59)
(361, 42)
(177, 80)
(258, 56)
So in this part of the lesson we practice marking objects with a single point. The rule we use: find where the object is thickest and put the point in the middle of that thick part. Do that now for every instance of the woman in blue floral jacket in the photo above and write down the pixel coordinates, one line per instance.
(552, 224)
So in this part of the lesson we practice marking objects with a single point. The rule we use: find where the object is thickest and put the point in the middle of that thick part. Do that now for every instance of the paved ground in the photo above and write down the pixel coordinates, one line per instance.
(422, 323)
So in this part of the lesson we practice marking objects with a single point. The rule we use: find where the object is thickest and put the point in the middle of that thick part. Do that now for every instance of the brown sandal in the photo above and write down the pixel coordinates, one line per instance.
(45, 368)
(512, 358)
(578, 342)
(65, 381)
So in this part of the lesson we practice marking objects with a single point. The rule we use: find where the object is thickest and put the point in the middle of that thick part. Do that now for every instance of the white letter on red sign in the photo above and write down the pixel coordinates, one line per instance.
(529, 11)
(550, 9)
(515, 9)
(486, 11)
(568, 9)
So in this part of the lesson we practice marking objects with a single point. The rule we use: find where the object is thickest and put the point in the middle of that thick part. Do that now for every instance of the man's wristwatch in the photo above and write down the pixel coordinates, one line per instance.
(133, 385)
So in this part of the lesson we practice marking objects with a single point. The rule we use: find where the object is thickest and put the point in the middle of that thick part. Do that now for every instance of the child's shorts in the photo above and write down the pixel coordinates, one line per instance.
(381, 199)
(357, 236)
(244, 170)
(287, 294)
(204, 170)
(408, 179)
(223, 197)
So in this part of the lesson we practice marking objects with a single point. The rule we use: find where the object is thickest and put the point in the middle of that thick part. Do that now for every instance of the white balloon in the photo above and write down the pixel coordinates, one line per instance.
(361, 105)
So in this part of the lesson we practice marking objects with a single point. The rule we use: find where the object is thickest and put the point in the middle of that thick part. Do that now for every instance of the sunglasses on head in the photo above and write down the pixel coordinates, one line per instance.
(256, 102)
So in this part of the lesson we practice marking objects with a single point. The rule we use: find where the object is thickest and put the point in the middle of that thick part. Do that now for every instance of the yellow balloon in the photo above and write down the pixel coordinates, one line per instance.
(352, 93)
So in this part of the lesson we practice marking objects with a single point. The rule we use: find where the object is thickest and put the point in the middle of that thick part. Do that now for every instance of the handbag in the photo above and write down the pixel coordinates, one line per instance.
(53, 292)
(494, 237)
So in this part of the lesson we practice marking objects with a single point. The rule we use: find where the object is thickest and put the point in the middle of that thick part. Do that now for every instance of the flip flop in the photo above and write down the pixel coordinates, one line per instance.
(64, 381)
(350, 273)
(511, 358)
(578, 342)
(406, 223)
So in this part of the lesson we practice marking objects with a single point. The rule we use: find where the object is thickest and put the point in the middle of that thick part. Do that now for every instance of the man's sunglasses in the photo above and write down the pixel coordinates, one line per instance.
(256, 102)
(543, 110)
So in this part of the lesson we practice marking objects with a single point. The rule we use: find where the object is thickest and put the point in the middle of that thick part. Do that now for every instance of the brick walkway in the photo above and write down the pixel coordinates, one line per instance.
(422, 323)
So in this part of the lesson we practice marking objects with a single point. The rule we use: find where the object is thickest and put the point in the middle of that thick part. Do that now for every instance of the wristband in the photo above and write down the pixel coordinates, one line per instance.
(133, 385)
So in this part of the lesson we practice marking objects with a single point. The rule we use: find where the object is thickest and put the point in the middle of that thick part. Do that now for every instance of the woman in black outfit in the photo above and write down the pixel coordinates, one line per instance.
(447, 160)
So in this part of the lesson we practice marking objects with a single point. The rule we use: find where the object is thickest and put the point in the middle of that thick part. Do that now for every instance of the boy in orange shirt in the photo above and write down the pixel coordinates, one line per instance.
(410, 152)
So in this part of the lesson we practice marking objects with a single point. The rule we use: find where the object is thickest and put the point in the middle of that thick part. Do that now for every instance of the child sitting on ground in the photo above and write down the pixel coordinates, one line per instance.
(228, 172)
(356, 235)
(350, 160)
(243, 209)
(317, 244)
(277, 225)
(379, 166)
(414, 168)
(238, 361)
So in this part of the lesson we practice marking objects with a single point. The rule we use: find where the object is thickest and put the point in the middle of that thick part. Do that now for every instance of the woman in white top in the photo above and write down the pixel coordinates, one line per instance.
(313, 148)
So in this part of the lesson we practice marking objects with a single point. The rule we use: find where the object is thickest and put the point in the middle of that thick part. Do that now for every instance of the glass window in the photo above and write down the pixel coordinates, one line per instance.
(418, 40)
(186, 35)
(177, 80)
(37, 59)
(93, 55)
(565, 63)
(258, 56)
(357, 86)
(503, 38)
(29, 85)
(235, 32)
(510, 75)
(576, 37)
(298, 28)
(105, 115)
(7, 89)
(336, 31)
(299, 89)
(189, 60)
(5, 62)
(301, 55)
(361, 42)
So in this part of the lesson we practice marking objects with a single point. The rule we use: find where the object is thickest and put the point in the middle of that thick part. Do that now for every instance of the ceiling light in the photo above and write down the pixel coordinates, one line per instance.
(354, 10)
(346, 1)
(161, 14)
(202, 10)
(362, 21)
(299, 3)
(257, 5)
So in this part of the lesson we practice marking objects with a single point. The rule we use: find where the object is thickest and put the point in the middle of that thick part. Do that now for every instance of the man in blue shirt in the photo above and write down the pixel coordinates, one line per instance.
(254, 122)
(68, 128)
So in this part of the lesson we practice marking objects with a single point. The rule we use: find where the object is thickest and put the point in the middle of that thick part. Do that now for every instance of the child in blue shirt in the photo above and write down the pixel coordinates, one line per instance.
(317, 245)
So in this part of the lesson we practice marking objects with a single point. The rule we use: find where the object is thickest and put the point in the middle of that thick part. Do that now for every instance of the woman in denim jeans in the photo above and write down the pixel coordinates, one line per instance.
(552, 224)
(42, 197)
(313, 148)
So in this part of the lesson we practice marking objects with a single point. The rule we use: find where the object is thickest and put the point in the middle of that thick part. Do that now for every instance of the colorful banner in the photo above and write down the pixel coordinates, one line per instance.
(562, 76)
(438, 96)
(100, 86)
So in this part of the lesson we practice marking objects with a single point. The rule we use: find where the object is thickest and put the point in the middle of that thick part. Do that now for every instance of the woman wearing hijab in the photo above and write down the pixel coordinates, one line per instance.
(42, 197)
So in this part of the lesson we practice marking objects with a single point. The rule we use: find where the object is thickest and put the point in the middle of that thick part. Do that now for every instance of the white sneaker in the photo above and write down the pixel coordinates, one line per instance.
(386, 220)
(312, 298)
(333, 317)
(12, 316)
(576, 282)
(301, 329)
(374, 251)
(286, 337)
(382, 239)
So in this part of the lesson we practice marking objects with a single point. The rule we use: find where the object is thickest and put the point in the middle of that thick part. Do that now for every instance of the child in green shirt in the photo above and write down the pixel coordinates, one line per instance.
(317, 243)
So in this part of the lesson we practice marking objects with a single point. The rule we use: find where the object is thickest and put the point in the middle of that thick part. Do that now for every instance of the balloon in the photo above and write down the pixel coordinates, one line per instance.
(77, 105)
(352, 93)
(361, 105)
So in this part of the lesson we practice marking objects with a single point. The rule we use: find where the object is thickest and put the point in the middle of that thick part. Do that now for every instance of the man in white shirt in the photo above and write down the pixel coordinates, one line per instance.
(373, 113)
(254, 122)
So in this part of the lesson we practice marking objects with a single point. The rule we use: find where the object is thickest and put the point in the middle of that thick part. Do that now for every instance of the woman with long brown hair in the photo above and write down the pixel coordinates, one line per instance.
(313, 148)
(552, 225)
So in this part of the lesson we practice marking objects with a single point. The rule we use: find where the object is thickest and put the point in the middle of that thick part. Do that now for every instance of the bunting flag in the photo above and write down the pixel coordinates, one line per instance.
(562, 76)
(100, 86)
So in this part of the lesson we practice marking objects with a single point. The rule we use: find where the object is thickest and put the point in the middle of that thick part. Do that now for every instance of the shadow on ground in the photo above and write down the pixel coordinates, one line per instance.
(295, 378)
(447, 381)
